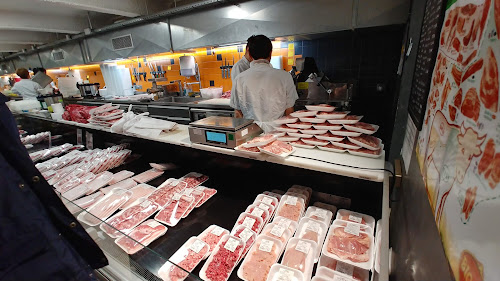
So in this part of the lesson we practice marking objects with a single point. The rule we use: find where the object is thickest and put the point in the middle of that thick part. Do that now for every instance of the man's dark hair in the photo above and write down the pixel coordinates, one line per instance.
(259, 47)
(37, 69)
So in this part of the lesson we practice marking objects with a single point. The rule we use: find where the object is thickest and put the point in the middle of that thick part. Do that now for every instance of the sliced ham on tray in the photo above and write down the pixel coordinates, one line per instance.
(367, 141)
(141, 236)
(260, 140)
(197, 195)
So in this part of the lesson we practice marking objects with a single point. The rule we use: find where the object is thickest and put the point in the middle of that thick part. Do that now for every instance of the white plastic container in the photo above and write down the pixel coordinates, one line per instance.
(325, 206)
(277, 148)
(346, 144)
(321, 107)
(299, 194)
(153, 229)
(247, 236)
(328, 274)
(105, 207)
(360, 127)
(272, 194)
(363, 152)
(198, 197)
(311, 120)
(268, 207)
(280, 272)
(255, 210)
(332, 115)
(300, 125)
(313, 132)
(303, 113)
(172, 213)
(100, 181)
(319, 214)
(248, 150)
(229, 245)
(350, 119)
(138, 191)
(333, 148)
(253, 222)
(361, 255)
(330, 137)
(277, 231)
(365, 141)
(302, 144)
(305, 192)
(351, 216)
(312, 230)
(290, 224)
(277, 133)
(316, 141)
(267, 199)
(121, 175)
(211, 93)
(288, 138)
(286, 129)
(148, 175)
(184, 260)
(349, 270)
(300, 135)
(291, 207)
(346, 133)
(299, 255)
(327, 126)
(260, 140)
(212, 236)
(257, 264)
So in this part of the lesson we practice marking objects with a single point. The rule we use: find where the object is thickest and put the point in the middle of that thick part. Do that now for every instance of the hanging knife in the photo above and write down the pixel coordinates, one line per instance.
(222, 70)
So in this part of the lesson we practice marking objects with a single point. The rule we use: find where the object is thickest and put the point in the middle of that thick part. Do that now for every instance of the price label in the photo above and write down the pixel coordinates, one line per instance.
(264, 206)
(267, 200)
(303, 247)
(278, 230)
(284, 275)
(352, 228)
(257, 212)
(285, 222)
(89, 140)
(246, 234)
(266, 245)
(344, 268)
(248, 222)
(355, 218)
(200, 188)
(197, 246)
(291, 200)
(177, 196)
(217, 231)
(145, 204)
(320, 213)
(79, 136)
(313, 226)
(340, 278)
(231, 244)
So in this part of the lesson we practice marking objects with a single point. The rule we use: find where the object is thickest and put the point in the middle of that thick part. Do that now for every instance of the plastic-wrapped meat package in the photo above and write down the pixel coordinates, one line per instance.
(272, 194)
(184, 260)
(328, 266)
(207, 194)
(349, 244)
(267, 199)
(173, 212)
(253, 222)
(255, 210)
(212, 235)
(247, 236)
(351, 216)
(291, 207)
(197, 195)
(141, 236)
(277, 231)
(84, 202)
(148, 175)
(47, 175)
(60, 174)
(164, 193)
(284, 273)
(124, 221)
(139, 191)
(85, 178)
(75, 192)
(125, 184)
(121, 175)
(106, 206)
(193, 179)
(288, 223)
(319, 214)
(257, 264)
(223, 259)
(101, 180)
(269, 208)
(313, 230)
(299, 254)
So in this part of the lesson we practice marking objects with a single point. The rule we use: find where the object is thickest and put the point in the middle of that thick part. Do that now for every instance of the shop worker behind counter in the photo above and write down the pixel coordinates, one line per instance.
(39, 238)
(243, 64)
(262, 93)
(26, 88)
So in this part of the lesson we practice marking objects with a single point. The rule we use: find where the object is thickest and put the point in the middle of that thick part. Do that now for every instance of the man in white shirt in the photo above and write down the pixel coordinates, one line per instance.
(263, 93)
(243, 64)
(26, 88)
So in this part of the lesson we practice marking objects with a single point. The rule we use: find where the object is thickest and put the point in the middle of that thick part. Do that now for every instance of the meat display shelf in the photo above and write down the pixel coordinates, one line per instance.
(369, 168)
(224, 208)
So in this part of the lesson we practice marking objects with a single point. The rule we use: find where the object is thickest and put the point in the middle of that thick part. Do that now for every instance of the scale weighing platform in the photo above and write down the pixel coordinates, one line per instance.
(222, 131)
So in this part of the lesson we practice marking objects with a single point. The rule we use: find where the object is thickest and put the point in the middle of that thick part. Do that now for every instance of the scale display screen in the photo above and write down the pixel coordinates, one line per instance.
(216, 137)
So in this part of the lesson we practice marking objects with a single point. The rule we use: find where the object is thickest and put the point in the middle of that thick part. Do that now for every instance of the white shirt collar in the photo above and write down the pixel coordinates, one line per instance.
(260, 62)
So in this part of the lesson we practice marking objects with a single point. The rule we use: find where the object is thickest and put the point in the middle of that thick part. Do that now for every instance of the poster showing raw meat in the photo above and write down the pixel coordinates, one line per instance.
(459, 145)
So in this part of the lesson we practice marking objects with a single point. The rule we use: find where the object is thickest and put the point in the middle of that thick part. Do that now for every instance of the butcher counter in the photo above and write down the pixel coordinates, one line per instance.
(347, 181)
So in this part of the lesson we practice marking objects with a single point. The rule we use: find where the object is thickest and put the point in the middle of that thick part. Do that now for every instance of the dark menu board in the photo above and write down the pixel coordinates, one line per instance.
(426, 58)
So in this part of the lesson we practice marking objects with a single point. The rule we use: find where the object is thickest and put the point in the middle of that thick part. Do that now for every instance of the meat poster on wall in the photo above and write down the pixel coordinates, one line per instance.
(459, 145)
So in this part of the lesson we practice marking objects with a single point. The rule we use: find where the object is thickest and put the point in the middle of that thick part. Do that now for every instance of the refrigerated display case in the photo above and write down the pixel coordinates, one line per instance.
(237, 177)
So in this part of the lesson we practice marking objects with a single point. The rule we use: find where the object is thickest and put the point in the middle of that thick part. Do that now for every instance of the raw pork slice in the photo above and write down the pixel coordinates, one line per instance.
(164, 193)
(260, 140)
(193, 179)
(173, 212)
(348, 246)
(126, 220)
(184, 260)
(207, 194)
(141, 236)
(277, 148)
(197, 195)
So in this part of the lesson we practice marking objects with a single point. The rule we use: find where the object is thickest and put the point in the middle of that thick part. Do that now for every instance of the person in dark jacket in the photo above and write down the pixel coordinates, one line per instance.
(39, 238)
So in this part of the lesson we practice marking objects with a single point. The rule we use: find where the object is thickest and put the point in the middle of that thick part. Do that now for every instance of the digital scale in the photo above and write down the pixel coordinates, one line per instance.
(222, 131)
